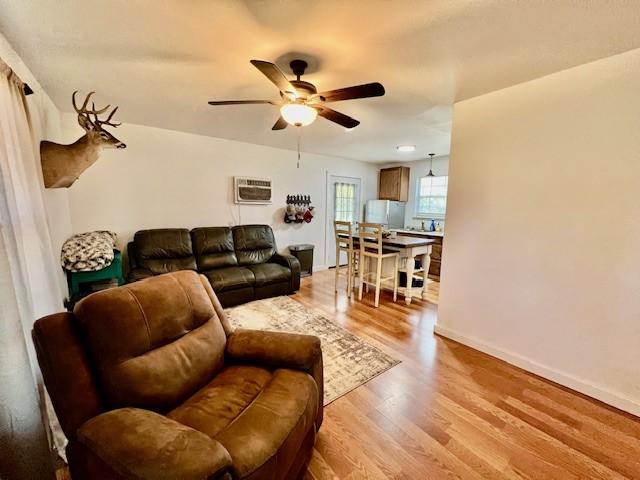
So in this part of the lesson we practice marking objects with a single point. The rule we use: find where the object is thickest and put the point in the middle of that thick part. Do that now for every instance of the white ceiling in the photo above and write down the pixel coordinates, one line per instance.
(161, 61)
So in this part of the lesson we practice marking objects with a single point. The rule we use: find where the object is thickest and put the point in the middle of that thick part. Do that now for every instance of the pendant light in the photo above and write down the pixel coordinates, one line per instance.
(430, 174)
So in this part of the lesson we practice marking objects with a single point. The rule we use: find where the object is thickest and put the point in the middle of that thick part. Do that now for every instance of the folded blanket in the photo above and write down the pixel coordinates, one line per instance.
(88, 252)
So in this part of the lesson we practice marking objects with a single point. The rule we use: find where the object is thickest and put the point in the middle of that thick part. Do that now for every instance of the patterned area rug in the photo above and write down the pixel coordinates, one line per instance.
(349, 361)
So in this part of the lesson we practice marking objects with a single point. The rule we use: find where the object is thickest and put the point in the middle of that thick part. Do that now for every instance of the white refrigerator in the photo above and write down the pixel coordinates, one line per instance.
(387, 212)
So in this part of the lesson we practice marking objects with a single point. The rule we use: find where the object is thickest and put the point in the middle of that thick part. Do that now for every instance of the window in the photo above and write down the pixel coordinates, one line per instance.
(345, 202)
(431, 198)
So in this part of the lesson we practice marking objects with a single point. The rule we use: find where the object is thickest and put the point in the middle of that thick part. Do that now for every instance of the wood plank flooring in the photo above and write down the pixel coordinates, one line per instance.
(450, 412)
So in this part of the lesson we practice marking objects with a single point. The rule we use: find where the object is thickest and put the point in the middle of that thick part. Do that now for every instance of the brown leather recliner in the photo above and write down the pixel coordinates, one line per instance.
(242, 263)
(149, 381)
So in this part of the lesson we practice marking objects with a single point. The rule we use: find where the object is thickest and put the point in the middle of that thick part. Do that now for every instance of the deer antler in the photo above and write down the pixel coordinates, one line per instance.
(85, 113)
(83, 110)
(108, 120)
(99, 122)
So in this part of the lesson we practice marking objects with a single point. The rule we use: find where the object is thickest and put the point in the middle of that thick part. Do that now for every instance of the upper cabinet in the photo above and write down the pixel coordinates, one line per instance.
(394, 184)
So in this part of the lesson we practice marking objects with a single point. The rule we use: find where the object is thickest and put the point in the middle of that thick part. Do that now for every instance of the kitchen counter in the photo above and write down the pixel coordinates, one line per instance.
(436, 253)
(422, 233)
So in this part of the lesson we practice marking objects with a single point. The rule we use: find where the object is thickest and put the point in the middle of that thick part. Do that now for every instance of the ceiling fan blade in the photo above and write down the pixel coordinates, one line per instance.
(350, 93)
(273, 73)
(242, 102)
(281, 124)
(336, 117)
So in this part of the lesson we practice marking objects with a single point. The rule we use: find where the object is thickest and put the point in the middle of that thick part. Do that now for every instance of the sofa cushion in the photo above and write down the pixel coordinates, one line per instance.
(269, 273)
(154, 342)
(216, 405)
(213, 247)
(260, 416)
(164, 250)
(230, 278)
(253, 243)
(267, 435)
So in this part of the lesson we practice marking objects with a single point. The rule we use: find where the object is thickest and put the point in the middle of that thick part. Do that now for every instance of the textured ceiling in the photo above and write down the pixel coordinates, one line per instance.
(160, 61)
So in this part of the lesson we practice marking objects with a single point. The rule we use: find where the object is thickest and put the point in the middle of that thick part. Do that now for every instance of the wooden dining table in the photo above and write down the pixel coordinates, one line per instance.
(410, 249)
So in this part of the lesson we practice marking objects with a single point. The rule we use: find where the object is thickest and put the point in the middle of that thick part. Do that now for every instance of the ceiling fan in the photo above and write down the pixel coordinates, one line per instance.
(300, 101)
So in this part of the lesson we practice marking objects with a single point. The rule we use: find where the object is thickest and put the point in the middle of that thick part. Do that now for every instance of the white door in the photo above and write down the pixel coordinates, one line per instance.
(343, 203)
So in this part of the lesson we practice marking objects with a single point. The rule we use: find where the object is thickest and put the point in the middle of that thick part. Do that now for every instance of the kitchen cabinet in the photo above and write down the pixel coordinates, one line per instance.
(436, 261)
(394, 184)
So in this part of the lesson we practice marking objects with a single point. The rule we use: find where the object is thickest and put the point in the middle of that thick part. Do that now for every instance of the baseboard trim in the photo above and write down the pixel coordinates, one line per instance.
(556, 376)
(319, 268)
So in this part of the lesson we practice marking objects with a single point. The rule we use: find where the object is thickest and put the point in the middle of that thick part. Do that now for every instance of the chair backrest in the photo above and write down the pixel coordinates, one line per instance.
(164, 250)
(213, 248)
(154, 342)
(370, 238)
(344, 234)
(253, 244)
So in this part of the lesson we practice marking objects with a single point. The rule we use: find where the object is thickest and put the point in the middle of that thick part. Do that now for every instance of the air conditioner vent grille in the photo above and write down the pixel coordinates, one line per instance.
(252, 190)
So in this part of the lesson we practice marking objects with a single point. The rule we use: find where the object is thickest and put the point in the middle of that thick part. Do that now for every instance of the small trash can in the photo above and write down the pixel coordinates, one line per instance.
(304, 254)
(416, 282)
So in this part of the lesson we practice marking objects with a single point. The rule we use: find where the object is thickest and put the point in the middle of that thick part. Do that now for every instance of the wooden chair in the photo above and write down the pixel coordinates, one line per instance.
(344, 243)
(370, 239)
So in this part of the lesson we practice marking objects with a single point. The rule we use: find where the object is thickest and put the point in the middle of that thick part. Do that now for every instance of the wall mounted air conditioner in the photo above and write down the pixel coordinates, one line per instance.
(256, 191)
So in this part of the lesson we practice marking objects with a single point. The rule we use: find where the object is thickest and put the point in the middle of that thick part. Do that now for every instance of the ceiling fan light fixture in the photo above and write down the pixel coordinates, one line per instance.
(298, 114)
(406, 148)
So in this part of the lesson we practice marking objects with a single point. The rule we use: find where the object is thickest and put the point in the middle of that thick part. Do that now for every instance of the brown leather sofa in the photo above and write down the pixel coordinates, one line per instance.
(149, 381)
(241, 263)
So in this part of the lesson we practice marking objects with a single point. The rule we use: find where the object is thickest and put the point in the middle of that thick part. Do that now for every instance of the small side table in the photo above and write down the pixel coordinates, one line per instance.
(74, 279)
(304, 254)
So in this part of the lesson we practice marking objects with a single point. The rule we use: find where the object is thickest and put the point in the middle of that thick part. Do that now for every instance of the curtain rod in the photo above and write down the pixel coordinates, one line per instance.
(25, 87)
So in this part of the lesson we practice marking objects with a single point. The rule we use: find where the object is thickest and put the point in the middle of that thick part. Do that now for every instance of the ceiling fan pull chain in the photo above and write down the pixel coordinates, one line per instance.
(299, 135)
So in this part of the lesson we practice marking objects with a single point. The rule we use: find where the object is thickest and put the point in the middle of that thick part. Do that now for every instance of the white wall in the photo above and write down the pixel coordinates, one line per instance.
(420, 168)
(172, 179)
(542, 253)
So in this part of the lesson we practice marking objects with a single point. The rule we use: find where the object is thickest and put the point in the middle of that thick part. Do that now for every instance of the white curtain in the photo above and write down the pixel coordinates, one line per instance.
(345, 198)
(28, 286)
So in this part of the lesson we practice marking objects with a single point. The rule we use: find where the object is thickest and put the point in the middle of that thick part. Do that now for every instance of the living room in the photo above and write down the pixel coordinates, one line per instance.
(424, 269)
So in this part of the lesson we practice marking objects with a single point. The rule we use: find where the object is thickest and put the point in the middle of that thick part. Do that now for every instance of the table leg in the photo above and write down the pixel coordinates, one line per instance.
(426, 263)
(409, 287)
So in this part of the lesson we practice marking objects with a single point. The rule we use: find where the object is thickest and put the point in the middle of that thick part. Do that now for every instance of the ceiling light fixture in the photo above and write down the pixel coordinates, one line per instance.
(298, 114)
(406, 148)
(430, 174)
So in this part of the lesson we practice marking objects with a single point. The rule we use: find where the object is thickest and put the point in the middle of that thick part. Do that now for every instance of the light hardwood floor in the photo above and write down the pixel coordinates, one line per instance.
(448, 411)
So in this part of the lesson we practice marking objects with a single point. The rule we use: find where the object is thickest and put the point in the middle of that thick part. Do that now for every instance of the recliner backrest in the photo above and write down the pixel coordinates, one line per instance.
(213, 248)
(164, 250)
(253, 244)
(154, 342)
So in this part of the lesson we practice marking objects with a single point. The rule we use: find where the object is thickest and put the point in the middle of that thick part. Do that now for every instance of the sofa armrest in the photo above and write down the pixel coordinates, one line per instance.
(280, 350)
(132, 255)
(292, 264)
(136, 274)
(142, 444)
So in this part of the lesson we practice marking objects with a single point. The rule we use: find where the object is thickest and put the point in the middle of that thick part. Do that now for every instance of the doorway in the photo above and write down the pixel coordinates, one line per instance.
(343, 203)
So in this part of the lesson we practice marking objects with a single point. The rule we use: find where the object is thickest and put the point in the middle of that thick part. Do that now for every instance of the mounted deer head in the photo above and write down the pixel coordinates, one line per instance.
(63, 164)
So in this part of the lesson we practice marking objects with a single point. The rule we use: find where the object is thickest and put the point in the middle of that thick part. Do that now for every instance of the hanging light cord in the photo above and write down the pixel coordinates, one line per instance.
(299, 135)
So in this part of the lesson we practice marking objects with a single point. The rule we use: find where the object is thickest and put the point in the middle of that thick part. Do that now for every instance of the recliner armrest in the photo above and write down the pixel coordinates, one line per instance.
(292, 264)
(136, 274)
(142, 444)
(276, 349)
(280, 350)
